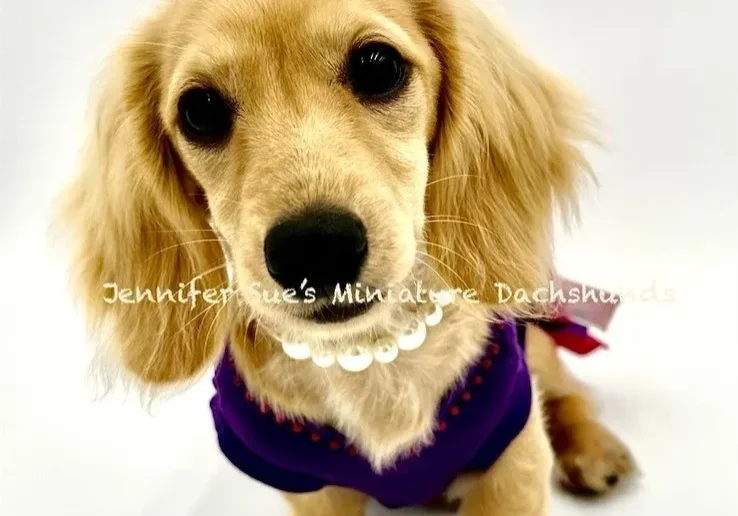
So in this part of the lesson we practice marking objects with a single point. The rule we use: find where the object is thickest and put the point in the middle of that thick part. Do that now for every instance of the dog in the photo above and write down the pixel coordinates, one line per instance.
(243, 148)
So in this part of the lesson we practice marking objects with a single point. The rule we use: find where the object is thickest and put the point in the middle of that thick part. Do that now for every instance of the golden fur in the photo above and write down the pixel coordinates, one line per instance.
(457, 183)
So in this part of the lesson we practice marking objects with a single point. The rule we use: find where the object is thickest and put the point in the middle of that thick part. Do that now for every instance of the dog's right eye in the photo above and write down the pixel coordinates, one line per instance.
(204, 116)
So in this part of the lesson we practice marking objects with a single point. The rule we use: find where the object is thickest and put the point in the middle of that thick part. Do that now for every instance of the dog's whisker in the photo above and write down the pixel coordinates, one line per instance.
(466, 176)
(460, 222)
(432, 269)
(202, 275)
(200, 314)
(259, 325)
(182, 244)
(449, 250)
(502, 257)
(157, 44)
(446, 266)
(266, 329)
(211, 270)
(203, 230)
(219, 287)
(445, 217)
(217, 314)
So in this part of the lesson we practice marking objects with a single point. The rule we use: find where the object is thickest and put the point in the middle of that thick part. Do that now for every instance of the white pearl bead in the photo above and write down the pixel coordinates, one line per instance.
(324, 361)
(356, 361)
(443, 297)
(432, 319)
(387, 351)
(296, 350)
(412, 341)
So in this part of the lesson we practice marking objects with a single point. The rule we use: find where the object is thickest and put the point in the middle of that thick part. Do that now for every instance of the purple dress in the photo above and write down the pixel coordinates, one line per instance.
(476, 422)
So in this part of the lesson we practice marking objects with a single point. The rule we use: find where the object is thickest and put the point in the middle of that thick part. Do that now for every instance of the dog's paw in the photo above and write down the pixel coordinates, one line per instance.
(593, 461)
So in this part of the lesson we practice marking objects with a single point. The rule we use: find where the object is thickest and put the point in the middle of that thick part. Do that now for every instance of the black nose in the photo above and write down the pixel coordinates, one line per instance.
(326, 247)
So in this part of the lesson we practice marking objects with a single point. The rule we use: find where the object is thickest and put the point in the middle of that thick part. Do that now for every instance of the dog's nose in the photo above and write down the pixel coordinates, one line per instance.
(326, 247)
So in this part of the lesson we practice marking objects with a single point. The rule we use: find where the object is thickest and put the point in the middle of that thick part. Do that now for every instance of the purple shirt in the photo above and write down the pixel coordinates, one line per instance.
(475, 423)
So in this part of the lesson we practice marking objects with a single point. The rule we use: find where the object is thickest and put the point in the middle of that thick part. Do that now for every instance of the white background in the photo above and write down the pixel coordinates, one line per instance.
(663, 77)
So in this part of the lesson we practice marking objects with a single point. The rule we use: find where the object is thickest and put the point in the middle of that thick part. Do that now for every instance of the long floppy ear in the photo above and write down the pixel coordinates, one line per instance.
(504, 157)
(135, 221)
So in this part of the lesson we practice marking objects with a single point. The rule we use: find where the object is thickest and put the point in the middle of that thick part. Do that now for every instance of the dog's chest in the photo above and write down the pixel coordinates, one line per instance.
(470, 426)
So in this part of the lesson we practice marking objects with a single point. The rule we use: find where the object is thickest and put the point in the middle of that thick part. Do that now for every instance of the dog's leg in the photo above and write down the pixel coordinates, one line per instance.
(331, 501)
(590, 459)
(519, 483)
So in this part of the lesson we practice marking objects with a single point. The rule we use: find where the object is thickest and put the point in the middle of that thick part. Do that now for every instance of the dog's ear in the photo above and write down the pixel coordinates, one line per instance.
(504, 157)
(134, 221)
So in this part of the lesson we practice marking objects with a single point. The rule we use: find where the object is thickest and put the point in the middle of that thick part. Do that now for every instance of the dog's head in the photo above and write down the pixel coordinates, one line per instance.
(311, 144)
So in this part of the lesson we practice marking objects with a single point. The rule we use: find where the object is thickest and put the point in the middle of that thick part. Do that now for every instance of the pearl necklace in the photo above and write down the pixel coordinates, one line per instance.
(385, 351)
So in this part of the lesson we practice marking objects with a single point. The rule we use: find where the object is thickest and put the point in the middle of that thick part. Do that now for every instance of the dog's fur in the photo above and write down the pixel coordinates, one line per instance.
(469, 164)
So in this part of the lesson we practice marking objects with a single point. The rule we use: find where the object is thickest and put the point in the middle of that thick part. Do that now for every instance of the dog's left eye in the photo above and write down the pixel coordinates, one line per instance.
(204, 116)
(376, 71)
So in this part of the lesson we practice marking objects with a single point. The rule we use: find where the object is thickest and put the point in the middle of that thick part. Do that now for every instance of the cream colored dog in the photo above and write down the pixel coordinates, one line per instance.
(423, 118)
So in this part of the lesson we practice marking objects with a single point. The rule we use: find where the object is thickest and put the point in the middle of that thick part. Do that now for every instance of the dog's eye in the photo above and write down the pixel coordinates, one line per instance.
(376, 70)
(204, 116)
